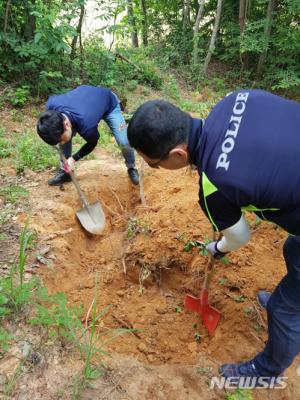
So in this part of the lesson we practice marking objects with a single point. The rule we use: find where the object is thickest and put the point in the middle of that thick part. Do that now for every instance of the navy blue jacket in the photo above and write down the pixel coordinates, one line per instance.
(248, 155)
(85, 106)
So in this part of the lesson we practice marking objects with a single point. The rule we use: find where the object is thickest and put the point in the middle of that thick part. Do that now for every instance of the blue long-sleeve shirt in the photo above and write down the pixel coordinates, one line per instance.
(85, 106)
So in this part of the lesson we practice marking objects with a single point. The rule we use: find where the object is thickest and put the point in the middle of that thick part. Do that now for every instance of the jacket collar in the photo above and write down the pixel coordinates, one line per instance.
(195, 140)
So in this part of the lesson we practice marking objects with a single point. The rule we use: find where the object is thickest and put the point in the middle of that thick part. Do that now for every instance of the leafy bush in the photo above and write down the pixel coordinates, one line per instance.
(19, 96)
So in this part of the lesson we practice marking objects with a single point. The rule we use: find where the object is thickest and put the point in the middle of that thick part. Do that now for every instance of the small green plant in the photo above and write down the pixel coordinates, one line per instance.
(13, 193)
(143, 275)
(15, 293)
(197, 337)
(181, 237)
(3, 237)
(5, 338)
(17, 115)
(6, 147)
(240, 394)
(248, 310)
(190, 244)
(136, 226)
(178, 309)
(225, 260)
(18, 97)
(222, 281)
(240, 299)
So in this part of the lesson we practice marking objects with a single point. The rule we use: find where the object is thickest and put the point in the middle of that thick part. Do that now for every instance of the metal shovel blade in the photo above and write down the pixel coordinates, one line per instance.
(210, 315)
(92, 218)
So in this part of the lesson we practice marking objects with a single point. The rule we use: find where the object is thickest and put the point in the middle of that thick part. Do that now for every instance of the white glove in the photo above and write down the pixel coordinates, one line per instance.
(69, 165)
(213, 250)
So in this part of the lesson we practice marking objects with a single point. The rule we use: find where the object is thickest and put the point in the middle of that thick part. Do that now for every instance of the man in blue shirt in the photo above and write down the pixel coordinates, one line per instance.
(247, 153)
(80, 111)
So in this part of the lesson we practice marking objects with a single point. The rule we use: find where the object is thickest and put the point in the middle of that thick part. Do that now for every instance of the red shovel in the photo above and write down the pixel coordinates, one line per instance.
(210, 315)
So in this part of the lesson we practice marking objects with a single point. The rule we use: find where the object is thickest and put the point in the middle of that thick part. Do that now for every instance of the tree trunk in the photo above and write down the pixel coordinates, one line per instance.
(131, 18)
(243, 12)
(196, 30)
(213, 37)
(267, 35)
(186, 14)
(30, 20)
(144, 23)
(7, 9)
(78, 35)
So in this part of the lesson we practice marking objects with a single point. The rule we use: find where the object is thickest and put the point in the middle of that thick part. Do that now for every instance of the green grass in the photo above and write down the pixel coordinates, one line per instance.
(31, 152)
(3, 237)
(13, 193)
(240, 394)
(6, 148)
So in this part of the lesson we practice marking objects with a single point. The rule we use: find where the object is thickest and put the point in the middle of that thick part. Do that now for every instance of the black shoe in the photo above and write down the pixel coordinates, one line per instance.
(59, 178)
(133, 175)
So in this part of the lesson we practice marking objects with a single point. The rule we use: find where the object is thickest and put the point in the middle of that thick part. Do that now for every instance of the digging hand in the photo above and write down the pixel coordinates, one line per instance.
(214, 251)
(69, 165)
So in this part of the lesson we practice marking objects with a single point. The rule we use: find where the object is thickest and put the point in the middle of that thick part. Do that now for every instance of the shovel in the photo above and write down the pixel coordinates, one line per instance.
(210, 315)
(91, 216)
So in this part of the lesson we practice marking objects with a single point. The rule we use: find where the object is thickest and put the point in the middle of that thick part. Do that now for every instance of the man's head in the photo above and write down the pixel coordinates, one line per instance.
(54, 127)
(159, 131)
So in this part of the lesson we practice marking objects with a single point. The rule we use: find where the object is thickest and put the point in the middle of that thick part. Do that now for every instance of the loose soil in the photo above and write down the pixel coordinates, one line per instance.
(143, 271)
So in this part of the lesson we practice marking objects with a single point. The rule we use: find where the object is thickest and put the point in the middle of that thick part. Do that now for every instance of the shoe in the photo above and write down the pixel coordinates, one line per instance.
(59, 178)
(245, 375)
(133, 175)
(263, 298)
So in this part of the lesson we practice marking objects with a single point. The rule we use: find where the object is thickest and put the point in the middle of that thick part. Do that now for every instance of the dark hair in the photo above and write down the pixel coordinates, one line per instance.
(50, 126)
(157, 127)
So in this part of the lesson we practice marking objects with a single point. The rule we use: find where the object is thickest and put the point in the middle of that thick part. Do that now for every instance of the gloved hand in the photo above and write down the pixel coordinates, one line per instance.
(69, 165)
(213, 250)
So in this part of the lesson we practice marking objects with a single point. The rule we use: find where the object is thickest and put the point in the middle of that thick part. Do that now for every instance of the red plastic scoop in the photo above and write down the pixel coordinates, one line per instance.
(210, 315)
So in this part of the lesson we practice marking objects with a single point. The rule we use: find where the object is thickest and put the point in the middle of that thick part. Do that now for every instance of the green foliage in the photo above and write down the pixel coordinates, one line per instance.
(14, 292)
(61, 319)
(240, 299)
(31, 152)
(19, 96)
(6, 147)
(136, 226)
(240, 394)
(5, 338)
(13, 193)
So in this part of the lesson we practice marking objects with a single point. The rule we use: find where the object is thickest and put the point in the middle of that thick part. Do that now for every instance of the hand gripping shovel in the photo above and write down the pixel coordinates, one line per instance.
(210, 315)
(91, 216)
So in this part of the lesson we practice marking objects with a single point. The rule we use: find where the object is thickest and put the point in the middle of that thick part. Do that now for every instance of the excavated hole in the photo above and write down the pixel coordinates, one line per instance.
(159, 273)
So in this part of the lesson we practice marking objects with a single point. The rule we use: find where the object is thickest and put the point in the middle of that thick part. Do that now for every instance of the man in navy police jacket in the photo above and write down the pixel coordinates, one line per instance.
(80, 111)
(247, 153)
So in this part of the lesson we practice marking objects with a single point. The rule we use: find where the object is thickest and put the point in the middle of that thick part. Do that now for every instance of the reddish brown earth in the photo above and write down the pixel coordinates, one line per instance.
(162, 360)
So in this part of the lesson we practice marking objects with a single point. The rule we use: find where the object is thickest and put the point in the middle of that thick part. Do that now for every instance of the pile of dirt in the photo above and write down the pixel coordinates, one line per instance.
(144, 273)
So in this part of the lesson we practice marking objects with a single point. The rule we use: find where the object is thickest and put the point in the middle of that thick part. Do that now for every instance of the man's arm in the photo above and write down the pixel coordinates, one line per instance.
(227, 218)
(235, 236)
(91, 136)
(86, 149)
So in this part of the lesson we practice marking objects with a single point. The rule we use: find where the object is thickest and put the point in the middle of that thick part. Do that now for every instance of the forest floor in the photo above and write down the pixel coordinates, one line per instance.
(142, 271)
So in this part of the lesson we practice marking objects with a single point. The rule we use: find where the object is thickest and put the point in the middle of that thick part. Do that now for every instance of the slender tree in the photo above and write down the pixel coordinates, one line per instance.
(267, 35)
(196, 30)
(144, 22)
(131, 19)
(78, 35)
(186, 14)
(243, 13)
(213, 37)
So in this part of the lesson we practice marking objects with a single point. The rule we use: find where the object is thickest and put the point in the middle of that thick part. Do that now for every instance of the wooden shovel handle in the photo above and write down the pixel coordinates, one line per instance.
(210, 266)
(74, 180)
